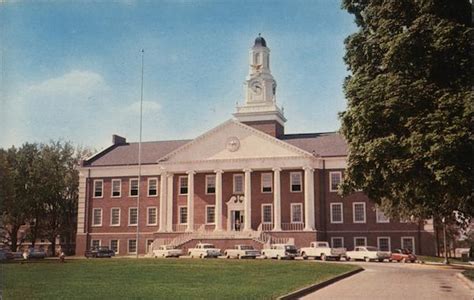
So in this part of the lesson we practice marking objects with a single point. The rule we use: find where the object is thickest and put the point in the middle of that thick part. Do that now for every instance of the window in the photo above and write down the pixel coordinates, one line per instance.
(267, 213)
(360, 241)
(295, 181)
(132, 216)
(408, 242)
(115, 216)
(210, 184)
(383, 243)
(95, 243)
(97, 217)
(183, 185)
(334, 181)
(132, 246)
(133, 187)
(296, 213)
(98, 188)
(116, 187)
(152, 216)
(380, 216)
(183, 215)
(238, 184)
(337, 242)
(114, 246)
(266, 182)
(152, 187)
(148, 243)
(358, 212)
(336, 213)
(210, 214)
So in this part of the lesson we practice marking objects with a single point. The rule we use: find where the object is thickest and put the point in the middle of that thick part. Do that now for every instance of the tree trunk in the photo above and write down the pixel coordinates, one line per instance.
(438, 247)
(53, 246)
(14, 238)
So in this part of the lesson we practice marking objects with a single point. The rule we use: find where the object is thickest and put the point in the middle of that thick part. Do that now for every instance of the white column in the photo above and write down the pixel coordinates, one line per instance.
(190, 200)
(163, 202)
(248, 200)
(218, 210)
(308, 198)
(169, 207)
(276, 199)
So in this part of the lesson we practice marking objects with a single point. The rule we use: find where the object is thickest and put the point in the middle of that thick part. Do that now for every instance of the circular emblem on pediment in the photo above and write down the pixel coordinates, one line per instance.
(233, 144)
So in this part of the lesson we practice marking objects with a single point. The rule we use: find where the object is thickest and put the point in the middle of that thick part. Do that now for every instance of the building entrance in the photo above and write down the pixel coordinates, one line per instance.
(237, 221)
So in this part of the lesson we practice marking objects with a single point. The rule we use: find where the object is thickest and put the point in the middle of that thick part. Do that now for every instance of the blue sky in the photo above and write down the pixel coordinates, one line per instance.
(71, 70)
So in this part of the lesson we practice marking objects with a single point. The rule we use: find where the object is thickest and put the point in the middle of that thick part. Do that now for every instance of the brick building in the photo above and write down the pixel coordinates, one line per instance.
(245, 180)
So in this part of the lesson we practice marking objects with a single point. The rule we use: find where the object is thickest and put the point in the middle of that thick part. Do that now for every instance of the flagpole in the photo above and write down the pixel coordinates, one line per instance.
(140, 158)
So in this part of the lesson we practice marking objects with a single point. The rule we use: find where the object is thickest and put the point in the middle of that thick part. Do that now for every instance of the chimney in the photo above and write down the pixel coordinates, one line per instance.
(118, 140)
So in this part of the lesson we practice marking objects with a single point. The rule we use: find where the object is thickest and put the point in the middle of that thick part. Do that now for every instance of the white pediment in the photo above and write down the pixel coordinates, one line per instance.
(233, 140)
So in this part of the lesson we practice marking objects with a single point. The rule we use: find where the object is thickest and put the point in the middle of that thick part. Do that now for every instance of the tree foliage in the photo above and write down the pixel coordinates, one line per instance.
(410, 106)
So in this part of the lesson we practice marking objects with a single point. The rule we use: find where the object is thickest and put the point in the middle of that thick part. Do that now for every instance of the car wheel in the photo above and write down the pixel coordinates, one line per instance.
(238, 256)
(323, 257)
(380, 259)
(264, 256)
(367, 259)
(338, 258)
(201, 256)
(304, 255)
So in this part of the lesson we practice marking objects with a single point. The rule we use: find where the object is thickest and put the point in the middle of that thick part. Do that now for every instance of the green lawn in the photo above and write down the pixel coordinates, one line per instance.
(469, 274)
(441, 259)
(162, 279)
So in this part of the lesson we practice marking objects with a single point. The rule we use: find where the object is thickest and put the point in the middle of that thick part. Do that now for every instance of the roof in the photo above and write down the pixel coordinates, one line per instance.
(260, 41)
(322, 144)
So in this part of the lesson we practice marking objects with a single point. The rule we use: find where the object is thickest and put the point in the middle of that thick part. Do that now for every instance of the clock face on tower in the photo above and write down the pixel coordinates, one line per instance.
(256, 88)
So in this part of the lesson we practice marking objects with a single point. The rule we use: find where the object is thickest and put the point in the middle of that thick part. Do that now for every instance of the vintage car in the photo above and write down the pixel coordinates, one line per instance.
(99, 252)
(34, 254)
(323, 251)
(6, 254)
(403, 255)
(167, 251)
(242, 251)
(368, 253)
(280, 251)
(203, 250)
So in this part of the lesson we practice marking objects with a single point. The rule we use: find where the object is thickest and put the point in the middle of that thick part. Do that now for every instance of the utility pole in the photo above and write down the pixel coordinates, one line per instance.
(140, 159)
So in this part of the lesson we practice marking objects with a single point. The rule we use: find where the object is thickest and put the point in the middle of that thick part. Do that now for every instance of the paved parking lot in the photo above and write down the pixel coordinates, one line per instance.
(397, 281)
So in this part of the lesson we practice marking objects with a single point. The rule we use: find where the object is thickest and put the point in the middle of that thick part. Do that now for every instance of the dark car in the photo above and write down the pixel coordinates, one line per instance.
(6, 255)
(35, 254)
(403, 255)
(99, 252)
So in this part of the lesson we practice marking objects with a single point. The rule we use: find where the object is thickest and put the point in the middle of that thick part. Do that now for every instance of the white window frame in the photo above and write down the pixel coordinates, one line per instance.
(112, 188)
(234, 185)
(179, 214)
(148, 216)
(354, 213)
(271, 213)
(330, 180)
(337, 237)
(148, 187)
(93, 217)
(206, 216)
(377, 213)
(342, 212)
(179, 185)
(413, 241)
(128, 246)
(389, 242)
(102, 189)
(130, 187)
(271, 182)
(92, 242)
(300, 174)
(360, 237)
(129, 216)
(119, 216)
(118, 245)
(207, 184)
(301, 213)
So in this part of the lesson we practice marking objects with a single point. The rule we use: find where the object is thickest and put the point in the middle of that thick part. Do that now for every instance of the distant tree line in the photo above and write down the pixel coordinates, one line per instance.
(39, 193)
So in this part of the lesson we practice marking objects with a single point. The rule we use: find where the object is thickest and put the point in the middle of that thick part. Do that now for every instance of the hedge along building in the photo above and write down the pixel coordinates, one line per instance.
(244, 181)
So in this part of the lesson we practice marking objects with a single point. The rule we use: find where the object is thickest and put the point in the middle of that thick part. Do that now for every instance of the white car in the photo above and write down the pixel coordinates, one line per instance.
(167, 251)
(203, 250)
(280, 251)
(323, 251)
(242, 251)
(368, 253)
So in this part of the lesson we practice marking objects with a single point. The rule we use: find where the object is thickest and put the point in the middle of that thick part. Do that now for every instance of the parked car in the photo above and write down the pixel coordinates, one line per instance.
(242, 251)
(203, 250)
(368, 253)
(323, 251)
(34, 254)
(5, 255)
(167, 251)
(280, 251)
(99, 252)
(403, 255)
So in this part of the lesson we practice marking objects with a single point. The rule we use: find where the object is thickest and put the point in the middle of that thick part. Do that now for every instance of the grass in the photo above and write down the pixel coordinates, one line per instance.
(162, 279)
(441, 259)
(469, 274)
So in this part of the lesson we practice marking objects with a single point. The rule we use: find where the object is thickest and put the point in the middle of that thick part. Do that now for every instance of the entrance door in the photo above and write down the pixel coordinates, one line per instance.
(237, 220)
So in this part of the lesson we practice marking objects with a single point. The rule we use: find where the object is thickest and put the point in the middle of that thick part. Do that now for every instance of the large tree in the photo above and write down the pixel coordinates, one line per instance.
(410, 109)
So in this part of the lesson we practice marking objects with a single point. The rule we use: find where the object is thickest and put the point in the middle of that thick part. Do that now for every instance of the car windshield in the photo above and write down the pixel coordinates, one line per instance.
(371, 249)
(208, 246)
(169, 247)
(290, 247)
(246, 247)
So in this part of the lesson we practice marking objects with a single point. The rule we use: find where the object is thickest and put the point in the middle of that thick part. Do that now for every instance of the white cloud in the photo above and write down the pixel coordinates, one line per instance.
(148, 107)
